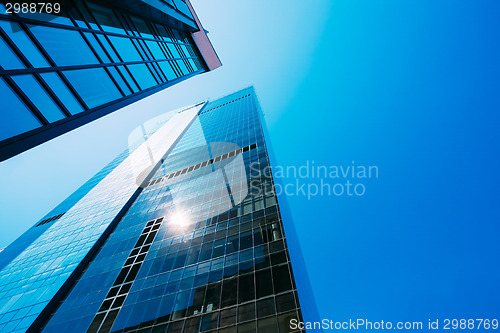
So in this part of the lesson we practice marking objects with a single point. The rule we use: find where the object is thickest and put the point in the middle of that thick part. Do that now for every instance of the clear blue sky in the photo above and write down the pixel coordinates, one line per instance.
(409, 86)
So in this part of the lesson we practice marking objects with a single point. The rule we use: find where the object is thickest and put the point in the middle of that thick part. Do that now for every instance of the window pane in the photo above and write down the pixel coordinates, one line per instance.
(66, 47)
(142, 27)
(155, 49)
(125, 48)
(39, 97)
(22, 41)
(106, 18)
(15, 118)
(9, 58)
(167, 69)
(108, 48)
(143, 76)
(127, 76)
(95, 45)
(173, 50)
(183, 67)
(63, 93)
(94, 86)
(119, 80)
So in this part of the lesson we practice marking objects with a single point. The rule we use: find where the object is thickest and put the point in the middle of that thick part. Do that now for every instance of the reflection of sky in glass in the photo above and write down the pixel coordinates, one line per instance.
(33, 278)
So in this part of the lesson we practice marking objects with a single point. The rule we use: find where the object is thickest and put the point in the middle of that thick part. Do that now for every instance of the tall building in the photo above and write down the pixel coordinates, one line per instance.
(69, 62)
(183, 232)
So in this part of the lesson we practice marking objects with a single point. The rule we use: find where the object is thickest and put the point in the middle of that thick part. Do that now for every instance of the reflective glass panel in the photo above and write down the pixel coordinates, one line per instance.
(143, 76)
(119, 80)
(66, 47)
(127, 76)
(125, 48)
(94, 86)
(38, 96)
(95, 45)
(166, 66)
(9, 58)
(15, 118)
(22, 41)
(108, 48)
(63, 93)
(106, 18)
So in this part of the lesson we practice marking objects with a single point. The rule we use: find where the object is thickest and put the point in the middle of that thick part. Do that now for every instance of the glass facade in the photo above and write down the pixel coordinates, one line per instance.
(200, 247)
(89, 59)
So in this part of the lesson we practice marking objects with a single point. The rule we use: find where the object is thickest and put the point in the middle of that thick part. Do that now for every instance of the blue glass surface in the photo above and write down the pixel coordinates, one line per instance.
(243, 246)
(38, 96)
(9, 58)
(16, 118)
(65, 47)
(62, 91)
(19, 37)
(94, 85)
(143, 76)
(125, 48)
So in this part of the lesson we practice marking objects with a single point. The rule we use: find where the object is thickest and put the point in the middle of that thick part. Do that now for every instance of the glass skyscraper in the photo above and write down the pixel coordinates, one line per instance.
(70, 62)
(183, 232)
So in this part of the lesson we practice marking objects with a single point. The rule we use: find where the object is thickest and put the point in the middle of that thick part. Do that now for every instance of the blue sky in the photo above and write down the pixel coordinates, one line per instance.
(411, 87)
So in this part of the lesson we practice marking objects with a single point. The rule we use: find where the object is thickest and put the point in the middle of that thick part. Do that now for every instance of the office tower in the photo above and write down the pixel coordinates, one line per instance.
(183, 232)
(67, 63)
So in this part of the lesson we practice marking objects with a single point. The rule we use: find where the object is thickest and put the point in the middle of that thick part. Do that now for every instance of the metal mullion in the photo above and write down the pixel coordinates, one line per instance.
(15, 49)
(73, 90)
(177, 70)
(163, 48)
(36, 74)
(52, 95)
(120, 57)
(125, 20)
(102, 62)
(51, 62)
(84, 19)
(109, 56)
(68, 68)
(152, 58)
(114, 81)
(158, 80)
(69, 27)
(18, 91)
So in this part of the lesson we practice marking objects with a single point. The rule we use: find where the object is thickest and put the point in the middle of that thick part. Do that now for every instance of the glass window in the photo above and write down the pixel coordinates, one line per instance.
(94, 85)
(19, 37)
(142, 27)
(114, 72)
(66, 47)
(143, 76)
(173, 50)
(97, 47)
(15, 117)
(106, 18)
(167, 69)
(183, 67)
(9, 58)
(129, 79)
(108, 48)
(38, 96)
(125, 48)
(155, 49)
(63, 93)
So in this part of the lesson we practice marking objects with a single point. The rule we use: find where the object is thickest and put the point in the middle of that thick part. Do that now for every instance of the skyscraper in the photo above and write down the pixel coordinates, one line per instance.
(70, 62)
(183, 232)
